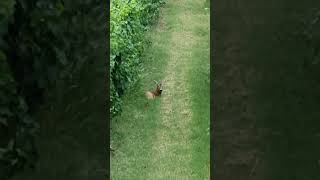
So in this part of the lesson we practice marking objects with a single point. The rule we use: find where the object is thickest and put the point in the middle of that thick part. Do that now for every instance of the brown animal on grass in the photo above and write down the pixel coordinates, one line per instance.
(156, 92)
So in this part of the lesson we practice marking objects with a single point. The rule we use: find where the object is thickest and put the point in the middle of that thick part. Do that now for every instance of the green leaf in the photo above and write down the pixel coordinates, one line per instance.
(61, 56)
(3, 121)
(22, 104)
(14, 161)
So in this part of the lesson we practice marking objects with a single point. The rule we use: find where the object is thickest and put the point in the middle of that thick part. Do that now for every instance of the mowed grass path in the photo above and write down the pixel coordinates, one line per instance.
(168, 138)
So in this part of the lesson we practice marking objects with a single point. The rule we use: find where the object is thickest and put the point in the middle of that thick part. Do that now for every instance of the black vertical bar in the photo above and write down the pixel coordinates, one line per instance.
(107, 88)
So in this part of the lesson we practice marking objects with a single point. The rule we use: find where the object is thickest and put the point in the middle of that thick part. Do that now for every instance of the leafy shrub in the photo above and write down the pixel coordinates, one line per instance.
(41, 43)
(16, 126)
(128, 22)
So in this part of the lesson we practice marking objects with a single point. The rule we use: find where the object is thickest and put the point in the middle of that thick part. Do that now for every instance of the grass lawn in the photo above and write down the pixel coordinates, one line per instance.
(168, 138)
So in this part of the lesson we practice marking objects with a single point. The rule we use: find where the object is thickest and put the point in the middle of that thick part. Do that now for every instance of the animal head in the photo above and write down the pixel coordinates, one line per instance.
(159, 87)
(156, 92)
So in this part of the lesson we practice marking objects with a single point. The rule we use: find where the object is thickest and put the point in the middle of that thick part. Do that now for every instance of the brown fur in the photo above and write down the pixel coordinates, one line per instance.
(155, 93)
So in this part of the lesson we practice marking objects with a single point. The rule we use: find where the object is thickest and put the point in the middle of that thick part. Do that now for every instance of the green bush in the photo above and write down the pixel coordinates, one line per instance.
(16, 126)
(42, 42)
(128, 22)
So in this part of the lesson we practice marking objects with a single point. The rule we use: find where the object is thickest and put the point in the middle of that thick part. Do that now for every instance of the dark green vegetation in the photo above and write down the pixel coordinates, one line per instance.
(128, 22)
(267, 67)
(168, 138)
(44, 47)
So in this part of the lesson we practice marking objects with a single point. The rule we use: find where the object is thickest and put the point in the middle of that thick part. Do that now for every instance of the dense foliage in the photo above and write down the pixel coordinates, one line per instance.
(128, 22)
(42, 42)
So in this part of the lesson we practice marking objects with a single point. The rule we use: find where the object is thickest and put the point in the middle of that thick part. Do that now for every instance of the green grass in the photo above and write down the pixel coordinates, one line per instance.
(199, 82)
(169, 138)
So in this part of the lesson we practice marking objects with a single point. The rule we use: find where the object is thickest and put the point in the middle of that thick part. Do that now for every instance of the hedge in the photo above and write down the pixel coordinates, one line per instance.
(128, 22)
(42, 42)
